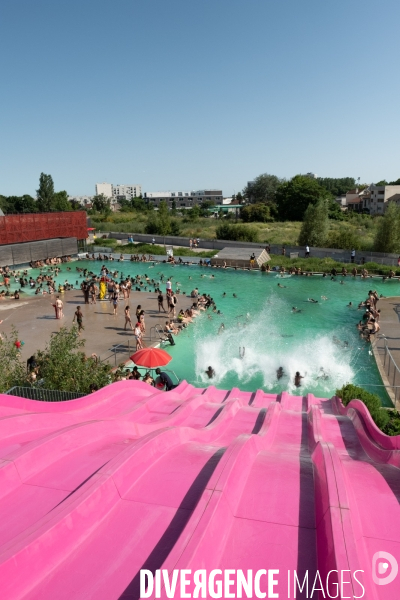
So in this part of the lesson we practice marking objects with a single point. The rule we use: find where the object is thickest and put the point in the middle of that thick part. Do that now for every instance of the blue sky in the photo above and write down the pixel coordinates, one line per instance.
(184, 94)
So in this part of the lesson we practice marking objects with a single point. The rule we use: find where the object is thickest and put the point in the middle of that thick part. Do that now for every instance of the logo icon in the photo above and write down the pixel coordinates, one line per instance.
(384, 568)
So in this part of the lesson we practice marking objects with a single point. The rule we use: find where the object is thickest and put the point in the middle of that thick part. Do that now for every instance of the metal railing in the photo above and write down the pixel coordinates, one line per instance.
(118, 349)
(391, 369)
(37, 393)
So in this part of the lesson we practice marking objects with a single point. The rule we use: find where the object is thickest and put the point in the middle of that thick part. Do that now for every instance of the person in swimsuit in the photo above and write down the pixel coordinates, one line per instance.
(280, 373)
(128, 320)
(138, 336)
(79, 319)
(160, 300)
(297, 379)
(210, 372)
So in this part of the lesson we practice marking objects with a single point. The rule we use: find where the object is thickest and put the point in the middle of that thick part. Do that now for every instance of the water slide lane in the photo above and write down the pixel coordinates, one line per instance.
(160, 487)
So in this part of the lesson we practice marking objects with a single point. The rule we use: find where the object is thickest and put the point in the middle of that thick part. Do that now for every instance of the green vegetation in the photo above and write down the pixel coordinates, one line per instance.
(155, 250)
(387, 237)
(12, 369)
(315, 225)
(387, 420)
(238, 233)
(62, 365)
(358, 231)
(294, 196)
(325, 265)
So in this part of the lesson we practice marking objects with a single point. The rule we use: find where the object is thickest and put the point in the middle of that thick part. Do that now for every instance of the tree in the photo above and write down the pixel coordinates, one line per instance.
(138, 204)
(194, 213)
(255, 212)
(334, 211)
(163, 219)
(315, 225)
(345, 238)
(239, 198)
(12, 369)
(21, 204)
(63, 365)
(397, 182)
(387, 238)
(101, 203)
(382, 182)
(294, 196)
(45, 193)
(262, 189)
(61, 202)
(337, 186)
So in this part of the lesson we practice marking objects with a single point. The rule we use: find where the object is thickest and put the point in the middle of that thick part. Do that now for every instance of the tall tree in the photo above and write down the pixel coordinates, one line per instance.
(387, 238)
(262, 189)
(314, 229)
(45, 193)
(61, 202)
(163, 219)
(337, 186)
(294, 196)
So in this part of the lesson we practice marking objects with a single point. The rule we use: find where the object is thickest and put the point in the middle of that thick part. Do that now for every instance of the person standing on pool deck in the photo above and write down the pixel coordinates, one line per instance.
(169, 286)
(128, 320)
(166, 379)
(160, 300)
(138, 336)
(115, 301)
(79, 319)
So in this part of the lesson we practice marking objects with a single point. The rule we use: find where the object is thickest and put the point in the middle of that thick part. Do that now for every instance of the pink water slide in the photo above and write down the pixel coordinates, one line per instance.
(299, 490)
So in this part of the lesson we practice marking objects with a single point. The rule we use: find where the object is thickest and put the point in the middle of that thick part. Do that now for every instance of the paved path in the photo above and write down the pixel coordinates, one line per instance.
(33, 317)
(390, 331)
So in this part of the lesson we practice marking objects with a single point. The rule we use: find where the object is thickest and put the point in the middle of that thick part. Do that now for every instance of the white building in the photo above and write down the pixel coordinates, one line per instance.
(127, 192)
(83, 200)
(119, 191)
(183, 199)
(104, 188)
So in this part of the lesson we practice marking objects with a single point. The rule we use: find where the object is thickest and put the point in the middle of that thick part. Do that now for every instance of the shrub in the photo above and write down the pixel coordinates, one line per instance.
(12, 369)
(352, 392)
(237, 233)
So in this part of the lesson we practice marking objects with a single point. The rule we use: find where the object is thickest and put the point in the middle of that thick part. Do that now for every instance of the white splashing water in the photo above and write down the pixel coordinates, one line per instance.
(324, 365)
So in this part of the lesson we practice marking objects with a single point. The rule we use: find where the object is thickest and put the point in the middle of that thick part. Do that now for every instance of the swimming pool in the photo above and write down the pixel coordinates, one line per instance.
(261, 320)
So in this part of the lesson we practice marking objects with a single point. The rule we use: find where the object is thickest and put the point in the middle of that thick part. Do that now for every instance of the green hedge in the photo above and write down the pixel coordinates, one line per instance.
(387, 420)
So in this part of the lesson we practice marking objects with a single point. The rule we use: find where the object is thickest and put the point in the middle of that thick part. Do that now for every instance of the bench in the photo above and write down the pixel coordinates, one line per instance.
(294, 254)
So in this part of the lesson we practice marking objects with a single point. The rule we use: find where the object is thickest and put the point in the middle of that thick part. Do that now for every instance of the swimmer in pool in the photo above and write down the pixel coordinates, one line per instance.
(295, 309)
(210, 372)
(280, 373)
(242, 352)
(281, 286)
(312, 300)
(297, 379)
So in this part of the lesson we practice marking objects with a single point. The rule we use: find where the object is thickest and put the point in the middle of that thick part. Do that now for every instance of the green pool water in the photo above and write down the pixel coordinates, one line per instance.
(261, 320)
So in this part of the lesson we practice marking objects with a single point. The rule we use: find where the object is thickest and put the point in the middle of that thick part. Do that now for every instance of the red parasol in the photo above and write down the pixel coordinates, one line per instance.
(151, 357)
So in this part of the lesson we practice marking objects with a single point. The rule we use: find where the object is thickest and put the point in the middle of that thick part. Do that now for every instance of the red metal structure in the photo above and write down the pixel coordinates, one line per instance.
(15, 229)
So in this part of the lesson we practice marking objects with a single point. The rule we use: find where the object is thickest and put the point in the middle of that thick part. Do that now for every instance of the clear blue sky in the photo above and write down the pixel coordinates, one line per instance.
(184, 94)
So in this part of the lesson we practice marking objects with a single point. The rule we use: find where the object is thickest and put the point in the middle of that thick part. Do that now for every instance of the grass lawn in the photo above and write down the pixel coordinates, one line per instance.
(285, 233)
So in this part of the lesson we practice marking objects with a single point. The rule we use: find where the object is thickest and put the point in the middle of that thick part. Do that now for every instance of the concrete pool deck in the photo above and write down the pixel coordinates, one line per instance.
(34, 319)
(389, 332)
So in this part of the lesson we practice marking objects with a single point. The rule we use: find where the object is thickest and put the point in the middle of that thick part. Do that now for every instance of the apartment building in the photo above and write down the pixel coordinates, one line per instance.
(183, 199)
(373, 199)
(119, 191)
